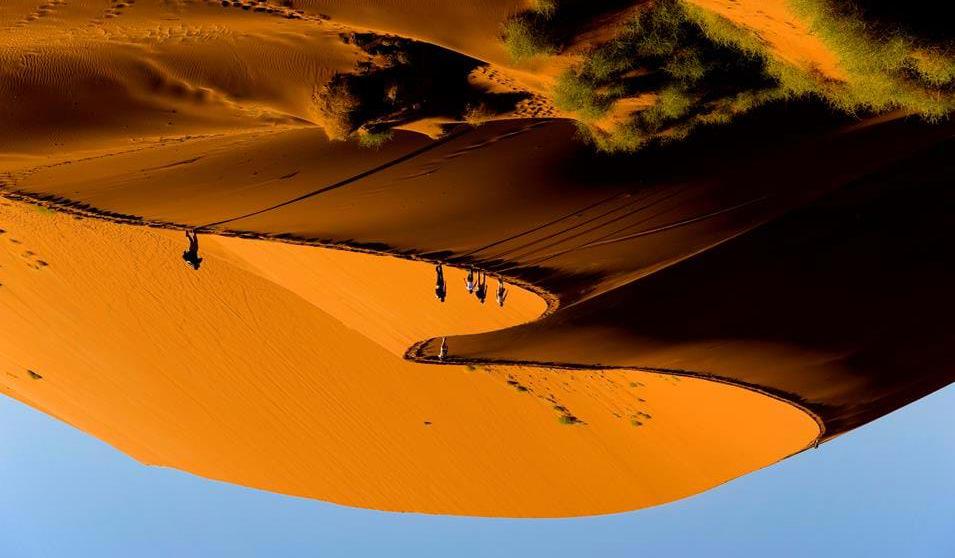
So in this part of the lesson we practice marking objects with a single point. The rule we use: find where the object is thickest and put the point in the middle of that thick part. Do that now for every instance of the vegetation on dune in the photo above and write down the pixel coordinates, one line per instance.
(663, 53)
(525, 39)
(702, 69)
(373, 139)
(574, 93)
(885, 69)
(402, 81)
(336, 104)
(549, 24)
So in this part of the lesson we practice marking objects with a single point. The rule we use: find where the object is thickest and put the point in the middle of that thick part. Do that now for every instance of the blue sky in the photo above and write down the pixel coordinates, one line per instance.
(887, 489)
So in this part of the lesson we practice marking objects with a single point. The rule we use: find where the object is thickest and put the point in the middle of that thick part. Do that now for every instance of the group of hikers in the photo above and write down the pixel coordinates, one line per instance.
(475, 283)
(476, 287)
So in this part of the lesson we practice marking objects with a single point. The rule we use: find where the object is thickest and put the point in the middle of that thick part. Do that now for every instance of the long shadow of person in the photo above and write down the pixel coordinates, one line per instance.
(191, 256)
(481, 291)
(440, 287)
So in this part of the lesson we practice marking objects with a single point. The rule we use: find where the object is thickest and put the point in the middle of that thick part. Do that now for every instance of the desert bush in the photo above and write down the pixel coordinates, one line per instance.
(524, 38)
(545, 8)
(705, 70)
(373, 139)
(478, 114)
(336, 105)
(574, 93)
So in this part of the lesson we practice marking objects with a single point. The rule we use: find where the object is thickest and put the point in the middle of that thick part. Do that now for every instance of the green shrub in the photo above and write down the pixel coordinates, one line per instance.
(686, 66)
(546, 8)
(373, 140)
(524, 40)
(573, 93)
(706, 70)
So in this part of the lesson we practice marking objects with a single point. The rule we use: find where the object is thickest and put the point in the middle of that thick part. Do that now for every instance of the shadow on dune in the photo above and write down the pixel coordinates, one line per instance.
(804, 265)
(840, 305)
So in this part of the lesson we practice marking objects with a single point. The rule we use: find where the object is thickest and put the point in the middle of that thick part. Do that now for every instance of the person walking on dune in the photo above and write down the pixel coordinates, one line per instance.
(481, 291)
(501, 292)
(443, 351)
(191, 256)
(440, 287)
(469, 282)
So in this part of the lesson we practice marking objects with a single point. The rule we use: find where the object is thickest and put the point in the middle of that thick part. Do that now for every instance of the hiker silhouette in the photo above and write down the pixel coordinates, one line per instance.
(191, 256)
(440, 287)
(501, 292)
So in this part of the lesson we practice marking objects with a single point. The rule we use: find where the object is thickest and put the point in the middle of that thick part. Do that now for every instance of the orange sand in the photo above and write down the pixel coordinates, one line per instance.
(274, 367)
(788, 36)
(280, 366)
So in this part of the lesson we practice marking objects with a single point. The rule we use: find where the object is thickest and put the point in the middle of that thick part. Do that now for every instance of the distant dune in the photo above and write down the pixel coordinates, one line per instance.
(718, 253)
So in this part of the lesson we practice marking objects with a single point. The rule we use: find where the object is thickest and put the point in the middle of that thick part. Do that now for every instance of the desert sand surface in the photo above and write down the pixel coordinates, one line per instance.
(832, 302)
(680, 314)
(776, 23)
(264, 376)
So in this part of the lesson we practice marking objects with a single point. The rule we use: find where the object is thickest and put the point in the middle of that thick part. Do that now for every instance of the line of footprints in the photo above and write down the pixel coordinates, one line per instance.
(30, 258)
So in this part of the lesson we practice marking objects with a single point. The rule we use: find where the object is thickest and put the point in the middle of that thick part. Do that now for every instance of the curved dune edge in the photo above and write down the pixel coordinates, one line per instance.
(418, 350)
(495, 446)
(184, 92)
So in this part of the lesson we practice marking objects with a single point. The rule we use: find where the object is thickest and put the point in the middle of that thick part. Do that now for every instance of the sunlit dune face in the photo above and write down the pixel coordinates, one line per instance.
(390, 301)
(277, 367)
(789, 36)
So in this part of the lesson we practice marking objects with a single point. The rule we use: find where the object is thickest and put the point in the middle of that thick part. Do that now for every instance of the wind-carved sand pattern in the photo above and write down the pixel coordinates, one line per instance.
(675, 318)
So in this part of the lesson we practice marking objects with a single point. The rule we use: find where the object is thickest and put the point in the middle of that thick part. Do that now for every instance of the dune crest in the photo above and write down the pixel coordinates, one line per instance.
(714, 220)
(231, 375)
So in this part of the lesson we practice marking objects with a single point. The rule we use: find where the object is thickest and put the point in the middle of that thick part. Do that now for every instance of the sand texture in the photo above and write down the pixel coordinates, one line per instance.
(676, 317)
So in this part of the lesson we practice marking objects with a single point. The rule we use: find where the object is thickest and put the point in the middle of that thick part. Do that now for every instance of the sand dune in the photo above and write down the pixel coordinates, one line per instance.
(149, 74)
(767, 275)
(775, 23)
(273, 381)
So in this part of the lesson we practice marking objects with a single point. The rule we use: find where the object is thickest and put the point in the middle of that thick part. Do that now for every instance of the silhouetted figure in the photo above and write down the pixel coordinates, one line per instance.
(191, 256)
(469, 282)
(481, 291)
(501, 292)
(443, 351)
(440, 287)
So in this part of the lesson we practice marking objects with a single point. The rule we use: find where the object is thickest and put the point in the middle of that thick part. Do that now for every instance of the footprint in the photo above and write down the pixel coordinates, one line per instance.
(41, 11)
(116, 9)
(30, 257)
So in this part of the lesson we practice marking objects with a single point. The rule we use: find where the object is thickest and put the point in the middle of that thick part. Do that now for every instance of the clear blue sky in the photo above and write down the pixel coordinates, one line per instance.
(887, 489)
